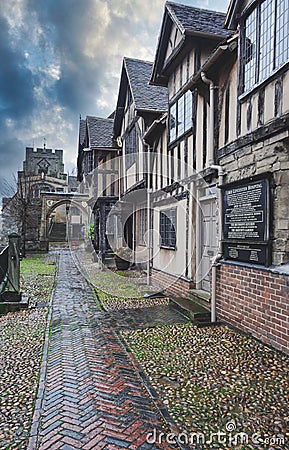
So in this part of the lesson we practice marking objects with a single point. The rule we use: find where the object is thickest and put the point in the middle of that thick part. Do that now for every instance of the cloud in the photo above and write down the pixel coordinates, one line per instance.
(9, 164)
(16, 80)
(62, 58)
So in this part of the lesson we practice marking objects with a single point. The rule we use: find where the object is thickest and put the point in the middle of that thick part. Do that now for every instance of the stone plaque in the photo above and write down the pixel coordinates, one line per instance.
(246, 210)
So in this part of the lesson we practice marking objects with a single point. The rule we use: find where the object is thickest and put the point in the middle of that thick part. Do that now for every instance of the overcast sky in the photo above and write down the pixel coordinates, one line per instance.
(62, 58)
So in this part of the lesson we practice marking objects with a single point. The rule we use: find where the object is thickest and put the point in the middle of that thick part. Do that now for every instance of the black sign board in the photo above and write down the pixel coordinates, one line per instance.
(246, 221)
(253, 253)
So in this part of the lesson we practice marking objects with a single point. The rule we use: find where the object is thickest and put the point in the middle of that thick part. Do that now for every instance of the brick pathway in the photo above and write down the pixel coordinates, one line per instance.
(92, 397)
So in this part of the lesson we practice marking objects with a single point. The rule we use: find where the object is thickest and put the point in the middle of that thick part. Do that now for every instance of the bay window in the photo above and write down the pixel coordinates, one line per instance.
(266, 39)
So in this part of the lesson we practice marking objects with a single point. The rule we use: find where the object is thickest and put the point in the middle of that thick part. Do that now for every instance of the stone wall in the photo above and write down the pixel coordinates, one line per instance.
(255, 301)
(271, 155)
(34, 159)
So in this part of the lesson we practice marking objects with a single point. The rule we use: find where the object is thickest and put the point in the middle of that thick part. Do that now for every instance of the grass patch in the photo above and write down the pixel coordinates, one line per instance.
(37, 275)
(110, 284)
(41, 264)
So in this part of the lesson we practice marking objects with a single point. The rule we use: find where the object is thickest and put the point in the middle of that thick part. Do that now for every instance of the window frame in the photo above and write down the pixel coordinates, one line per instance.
(89, 161)
(131, 148)
(261, 74)
(168, 228)
(186, 114)
(143, 225)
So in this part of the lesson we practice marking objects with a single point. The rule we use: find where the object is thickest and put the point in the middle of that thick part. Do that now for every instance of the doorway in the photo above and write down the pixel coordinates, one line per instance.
(209, 239)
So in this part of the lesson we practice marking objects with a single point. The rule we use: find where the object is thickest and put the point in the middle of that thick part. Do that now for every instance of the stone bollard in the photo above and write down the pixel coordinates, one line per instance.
(14, 263)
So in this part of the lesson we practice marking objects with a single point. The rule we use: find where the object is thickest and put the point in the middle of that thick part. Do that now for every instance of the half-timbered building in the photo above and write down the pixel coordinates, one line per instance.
(252, 287)
(183, 148)
(138, 105)
(202, 136)
(98, 173)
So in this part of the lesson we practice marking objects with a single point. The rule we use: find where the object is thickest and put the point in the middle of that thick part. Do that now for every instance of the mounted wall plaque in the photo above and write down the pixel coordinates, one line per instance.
(246, 221)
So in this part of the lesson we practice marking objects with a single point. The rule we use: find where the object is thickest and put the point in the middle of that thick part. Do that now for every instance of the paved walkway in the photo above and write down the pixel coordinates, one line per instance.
(91, 396)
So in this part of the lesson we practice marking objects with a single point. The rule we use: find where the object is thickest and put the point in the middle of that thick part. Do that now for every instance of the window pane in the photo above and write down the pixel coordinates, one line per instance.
(181, 116)
(168, 227)
(142, 225)
(266, 38)
(250, 50)
(131, 147)
(131, 142)
(282, 33)
(89, 161)
(173, 123)
(188, 110)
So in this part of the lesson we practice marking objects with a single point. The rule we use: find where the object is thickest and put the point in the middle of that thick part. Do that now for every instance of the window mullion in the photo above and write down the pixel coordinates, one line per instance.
(275, 35)
(258, 16)
(177, 118)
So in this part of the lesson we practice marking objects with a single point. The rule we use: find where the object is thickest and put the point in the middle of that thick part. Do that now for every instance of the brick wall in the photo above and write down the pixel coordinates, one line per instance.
(255, 301)
(173, 284)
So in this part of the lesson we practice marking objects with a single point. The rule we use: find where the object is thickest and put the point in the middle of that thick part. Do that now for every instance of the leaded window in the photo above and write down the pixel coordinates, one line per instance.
(131, 146)
(266, 41)
(143, 225)
(181, 116)
(173, 122)
(168, 222)
(250, 50)
(89, 161)
(282, 32)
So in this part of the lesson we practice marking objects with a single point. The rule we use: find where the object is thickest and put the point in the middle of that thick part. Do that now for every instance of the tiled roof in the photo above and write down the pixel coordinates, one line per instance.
(192, 19)
(146, 97)
(100, 132)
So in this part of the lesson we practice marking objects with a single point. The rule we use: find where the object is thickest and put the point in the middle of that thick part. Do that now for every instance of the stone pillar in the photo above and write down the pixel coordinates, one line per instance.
(14, 263)
(43, 244)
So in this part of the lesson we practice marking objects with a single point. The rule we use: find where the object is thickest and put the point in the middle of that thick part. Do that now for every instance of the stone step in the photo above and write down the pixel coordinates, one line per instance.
(193, 309)
(108, 259)
(203, 296)
(58, 232)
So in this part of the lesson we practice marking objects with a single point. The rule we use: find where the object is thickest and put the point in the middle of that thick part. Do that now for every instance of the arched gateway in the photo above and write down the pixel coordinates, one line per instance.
(74, 218)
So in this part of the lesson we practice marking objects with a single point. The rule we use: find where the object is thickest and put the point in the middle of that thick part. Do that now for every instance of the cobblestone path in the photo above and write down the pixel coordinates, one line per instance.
(92, 396)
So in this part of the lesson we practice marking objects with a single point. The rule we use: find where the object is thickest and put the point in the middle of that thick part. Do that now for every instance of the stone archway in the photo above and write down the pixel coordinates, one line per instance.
(52, 201)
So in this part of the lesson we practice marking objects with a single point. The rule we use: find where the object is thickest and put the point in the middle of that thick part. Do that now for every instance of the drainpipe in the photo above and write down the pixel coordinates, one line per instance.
(119, 168)
(219, 254)
(210, 83)
(123, 165)
(211, 164)
(148, 214)
(198, 237)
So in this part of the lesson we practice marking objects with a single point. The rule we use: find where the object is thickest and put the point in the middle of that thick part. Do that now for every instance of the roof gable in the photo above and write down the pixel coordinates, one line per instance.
(193, 20)
(233, 14)
(136, 75)
(190, 22)
(145, 96)
(100, 132)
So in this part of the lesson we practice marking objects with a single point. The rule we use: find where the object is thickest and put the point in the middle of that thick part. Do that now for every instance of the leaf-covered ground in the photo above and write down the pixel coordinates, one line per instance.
(21, 344)
(215, 379)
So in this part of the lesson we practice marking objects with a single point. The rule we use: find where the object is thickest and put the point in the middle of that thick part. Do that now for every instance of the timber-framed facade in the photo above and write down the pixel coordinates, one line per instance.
(213, 157)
